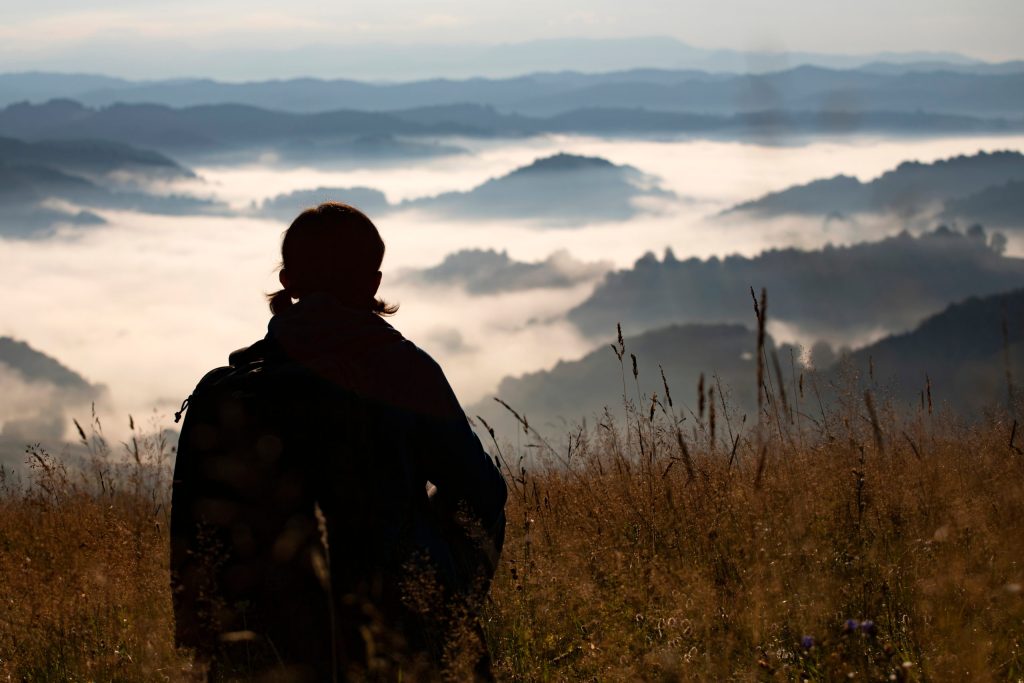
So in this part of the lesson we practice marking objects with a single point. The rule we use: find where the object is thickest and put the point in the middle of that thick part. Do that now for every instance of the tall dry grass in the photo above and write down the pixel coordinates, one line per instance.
(83, 564)
(661, 543)
(891, 558)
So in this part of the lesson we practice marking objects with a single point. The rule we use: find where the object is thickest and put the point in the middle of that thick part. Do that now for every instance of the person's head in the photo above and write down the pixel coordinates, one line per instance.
(332, 248)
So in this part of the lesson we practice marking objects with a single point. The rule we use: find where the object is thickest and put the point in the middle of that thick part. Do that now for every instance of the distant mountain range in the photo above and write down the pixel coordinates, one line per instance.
(35, 174)
(969, 186)
(961, 352)
(833, 293)
(209, 128)
(968, 90)
(411, 62)
(563, 190)
(220, 128)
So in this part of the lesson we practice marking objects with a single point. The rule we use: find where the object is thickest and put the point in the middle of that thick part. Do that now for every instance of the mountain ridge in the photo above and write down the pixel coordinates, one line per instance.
(216, 129)
(907, 189)
(980, 90)
(390, 62)
(82, 173)
(832, 293)
(37, 391)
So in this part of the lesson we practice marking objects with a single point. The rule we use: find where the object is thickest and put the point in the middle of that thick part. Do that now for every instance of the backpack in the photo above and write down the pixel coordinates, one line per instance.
(268, 452)
(296, 509)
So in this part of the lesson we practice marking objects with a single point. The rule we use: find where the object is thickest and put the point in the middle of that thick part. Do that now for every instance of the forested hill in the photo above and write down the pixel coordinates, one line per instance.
(971, 355)
(968, 357)
(910, 188)
(39, 392)
(834, 292)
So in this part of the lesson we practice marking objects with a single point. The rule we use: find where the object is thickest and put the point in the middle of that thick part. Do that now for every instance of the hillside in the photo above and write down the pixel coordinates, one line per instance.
(89, 175)
(909, 189)
(34, 366)
(962, 351)
(24, 191)
(835, 293)
(36, 394)
(563, 190)
(90, 157)
(573, 390)
(1000, 206)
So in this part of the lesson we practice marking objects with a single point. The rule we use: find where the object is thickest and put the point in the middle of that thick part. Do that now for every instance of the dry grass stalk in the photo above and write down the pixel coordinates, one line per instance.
(875, 426)
(617, 565)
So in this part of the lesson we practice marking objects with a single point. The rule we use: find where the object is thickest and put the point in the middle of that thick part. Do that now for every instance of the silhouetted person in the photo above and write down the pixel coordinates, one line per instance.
(304, 542)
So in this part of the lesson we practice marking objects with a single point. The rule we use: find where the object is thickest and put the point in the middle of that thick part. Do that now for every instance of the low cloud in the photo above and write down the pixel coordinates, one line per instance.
(486, 271)
(448, 340)
(147, 304)
(37, 396)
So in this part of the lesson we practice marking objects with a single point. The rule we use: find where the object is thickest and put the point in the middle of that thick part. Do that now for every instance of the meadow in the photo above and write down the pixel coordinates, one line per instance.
(755, 500)
(659, 543)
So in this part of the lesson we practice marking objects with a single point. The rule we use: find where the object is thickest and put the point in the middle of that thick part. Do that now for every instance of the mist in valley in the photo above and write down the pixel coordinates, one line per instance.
(145, 304)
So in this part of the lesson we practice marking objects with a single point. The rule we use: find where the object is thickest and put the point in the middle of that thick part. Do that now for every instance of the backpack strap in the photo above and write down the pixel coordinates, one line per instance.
(262, 351)
(208, 380)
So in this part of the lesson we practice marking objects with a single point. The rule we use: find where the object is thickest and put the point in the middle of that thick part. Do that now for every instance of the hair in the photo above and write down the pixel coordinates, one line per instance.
(331, 248)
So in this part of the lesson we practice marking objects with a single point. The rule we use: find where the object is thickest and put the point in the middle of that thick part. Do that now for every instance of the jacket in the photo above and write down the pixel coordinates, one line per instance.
(333, 408)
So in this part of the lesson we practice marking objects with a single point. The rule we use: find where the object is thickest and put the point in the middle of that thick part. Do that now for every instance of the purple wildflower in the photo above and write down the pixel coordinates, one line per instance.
(851, 625)
(807, 642)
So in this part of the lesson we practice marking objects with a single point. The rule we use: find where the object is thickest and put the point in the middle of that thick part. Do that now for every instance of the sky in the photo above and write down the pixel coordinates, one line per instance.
(253, 38)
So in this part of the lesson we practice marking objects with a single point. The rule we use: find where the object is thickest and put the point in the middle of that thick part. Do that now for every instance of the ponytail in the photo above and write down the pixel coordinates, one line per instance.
(383, 308)
(280, 301)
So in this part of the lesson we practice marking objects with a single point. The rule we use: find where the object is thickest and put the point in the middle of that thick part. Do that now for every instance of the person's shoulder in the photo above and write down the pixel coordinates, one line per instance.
(422, 374)
(420, 355)
(414, 359)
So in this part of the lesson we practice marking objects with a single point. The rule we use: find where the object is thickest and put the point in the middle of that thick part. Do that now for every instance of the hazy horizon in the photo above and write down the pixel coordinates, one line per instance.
(391, 63)
(286, 47)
